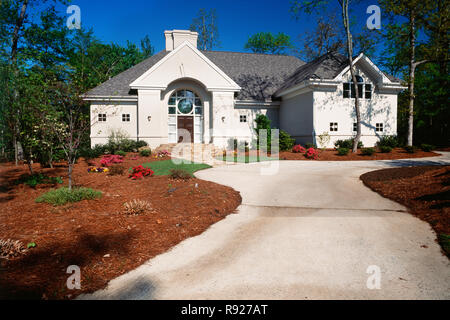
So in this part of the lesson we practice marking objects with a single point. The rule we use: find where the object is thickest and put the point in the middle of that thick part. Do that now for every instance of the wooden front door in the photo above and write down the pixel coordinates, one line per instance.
(186, 123)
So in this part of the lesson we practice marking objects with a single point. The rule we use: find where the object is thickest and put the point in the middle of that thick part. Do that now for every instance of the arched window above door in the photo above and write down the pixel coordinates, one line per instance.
(185, 102)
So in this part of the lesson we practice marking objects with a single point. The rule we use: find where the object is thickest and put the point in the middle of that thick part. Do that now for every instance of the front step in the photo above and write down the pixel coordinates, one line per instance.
(195, 152)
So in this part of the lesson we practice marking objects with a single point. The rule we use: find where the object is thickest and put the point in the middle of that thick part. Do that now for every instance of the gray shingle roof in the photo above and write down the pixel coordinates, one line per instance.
(119, 86)
(327, 66)
(259, 75)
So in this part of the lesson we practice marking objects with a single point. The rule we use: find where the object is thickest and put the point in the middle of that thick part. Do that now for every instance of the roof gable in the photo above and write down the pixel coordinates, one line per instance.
(185, 62)
(333, 66)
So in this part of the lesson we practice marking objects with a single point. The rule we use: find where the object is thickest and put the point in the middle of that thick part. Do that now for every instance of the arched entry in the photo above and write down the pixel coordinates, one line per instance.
(185, 115)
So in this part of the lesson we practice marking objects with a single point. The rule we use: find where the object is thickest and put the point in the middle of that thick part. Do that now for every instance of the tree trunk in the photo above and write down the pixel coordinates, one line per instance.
(70, 175)
(412, 71)
(16, 148)
(13, 59)
(352, 73)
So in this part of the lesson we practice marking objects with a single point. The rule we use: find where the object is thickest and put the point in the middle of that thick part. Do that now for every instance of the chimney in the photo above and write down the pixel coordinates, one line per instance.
(174, 38)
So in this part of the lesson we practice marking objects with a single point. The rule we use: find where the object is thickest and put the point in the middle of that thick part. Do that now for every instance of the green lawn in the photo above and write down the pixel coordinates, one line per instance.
(162, 168)
(244, 159)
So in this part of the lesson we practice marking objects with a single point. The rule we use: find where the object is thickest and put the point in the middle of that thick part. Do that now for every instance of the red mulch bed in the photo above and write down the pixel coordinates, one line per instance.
(83, 233)
(425, 191)
(332, 155)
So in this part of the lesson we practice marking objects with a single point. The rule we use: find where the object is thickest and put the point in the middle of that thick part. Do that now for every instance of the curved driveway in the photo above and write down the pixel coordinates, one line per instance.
(311, 231)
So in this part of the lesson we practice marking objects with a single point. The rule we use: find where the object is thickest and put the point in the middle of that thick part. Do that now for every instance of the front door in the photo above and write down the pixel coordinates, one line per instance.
(186, 123)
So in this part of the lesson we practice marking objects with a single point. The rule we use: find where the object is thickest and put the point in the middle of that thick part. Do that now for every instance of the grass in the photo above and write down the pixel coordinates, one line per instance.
(245, 159)
(61, 196)
(163, 168)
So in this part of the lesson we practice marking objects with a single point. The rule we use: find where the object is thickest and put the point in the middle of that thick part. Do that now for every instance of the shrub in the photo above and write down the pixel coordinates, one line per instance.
(426, 147)
(348, 143)
(110, 159)
(11, 249)
(145, 152)
(298, 149)
(92, 153)
(180, 174)
(385, 149)
(37, 179)
(286, 141)
(263, 123)
(116, 170)
(368, 151)
(140, 144)
(410, 149)
(63, 195)
(343, 151)
(136, 207)
(388, 141)
(309, 145)
(312, 153)
(140, 172)
(121, 153)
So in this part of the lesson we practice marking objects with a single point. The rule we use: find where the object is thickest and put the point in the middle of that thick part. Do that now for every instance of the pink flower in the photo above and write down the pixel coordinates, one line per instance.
(298, 149)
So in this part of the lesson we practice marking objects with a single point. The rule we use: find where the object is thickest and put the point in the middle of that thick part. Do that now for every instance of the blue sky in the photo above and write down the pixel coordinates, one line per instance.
(119, 21)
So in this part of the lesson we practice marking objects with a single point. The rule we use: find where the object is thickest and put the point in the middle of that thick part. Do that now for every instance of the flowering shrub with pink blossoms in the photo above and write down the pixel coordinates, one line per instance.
(110, 159)
(312, 153)
(298, 149)
(140, 172)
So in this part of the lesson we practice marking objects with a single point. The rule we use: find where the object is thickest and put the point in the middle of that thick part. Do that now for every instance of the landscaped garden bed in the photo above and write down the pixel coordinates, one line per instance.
(333, 155)
(425, 191)
(324, 155)
(103, 236)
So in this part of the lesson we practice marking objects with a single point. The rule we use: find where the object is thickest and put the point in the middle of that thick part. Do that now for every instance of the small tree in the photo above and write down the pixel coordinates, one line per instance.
(263, 123)
(73, 124)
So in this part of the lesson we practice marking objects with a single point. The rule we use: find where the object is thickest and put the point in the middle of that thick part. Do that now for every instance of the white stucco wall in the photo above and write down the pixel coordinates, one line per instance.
(100, 131)
(331, 106)
(296, 117)
(244, 131)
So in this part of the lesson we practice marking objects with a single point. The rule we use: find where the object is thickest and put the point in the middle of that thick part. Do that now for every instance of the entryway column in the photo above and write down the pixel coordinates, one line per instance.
(206, 126)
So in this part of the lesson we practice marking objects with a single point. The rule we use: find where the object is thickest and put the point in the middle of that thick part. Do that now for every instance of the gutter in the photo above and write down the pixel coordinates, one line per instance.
(110, 98)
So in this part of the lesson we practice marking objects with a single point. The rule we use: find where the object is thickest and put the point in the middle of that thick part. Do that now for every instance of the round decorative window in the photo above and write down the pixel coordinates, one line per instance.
(185, 106)
(185, 102)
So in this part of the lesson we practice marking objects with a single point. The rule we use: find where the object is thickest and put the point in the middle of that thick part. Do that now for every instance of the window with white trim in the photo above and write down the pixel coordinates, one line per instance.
(242, 118)
(366, 89)
(126, 117)
(379, 127)
(333, 126)
(101, 117)
(368, 92)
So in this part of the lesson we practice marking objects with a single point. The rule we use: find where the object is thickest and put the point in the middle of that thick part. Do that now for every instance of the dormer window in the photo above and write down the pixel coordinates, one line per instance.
(350, 91)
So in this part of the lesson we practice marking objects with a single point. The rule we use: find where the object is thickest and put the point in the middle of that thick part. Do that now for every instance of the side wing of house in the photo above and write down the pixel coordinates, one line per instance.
(320, 107)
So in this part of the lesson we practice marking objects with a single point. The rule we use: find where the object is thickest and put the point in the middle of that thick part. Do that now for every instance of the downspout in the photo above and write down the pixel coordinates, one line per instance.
(137, 119)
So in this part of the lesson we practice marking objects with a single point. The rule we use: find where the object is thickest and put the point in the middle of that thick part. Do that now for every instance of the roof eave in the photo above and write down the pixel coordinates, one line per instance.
(310, 83)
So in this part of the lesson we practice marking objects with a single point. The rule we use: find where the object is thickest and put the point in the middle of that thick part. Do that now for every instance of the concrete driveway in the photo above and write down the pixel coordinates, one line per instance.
(309, 232)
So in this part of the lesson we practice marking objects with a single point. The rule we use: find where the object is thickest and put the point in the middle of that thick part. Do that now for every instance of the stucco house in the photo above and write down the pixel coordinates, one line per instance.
(183, 94)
